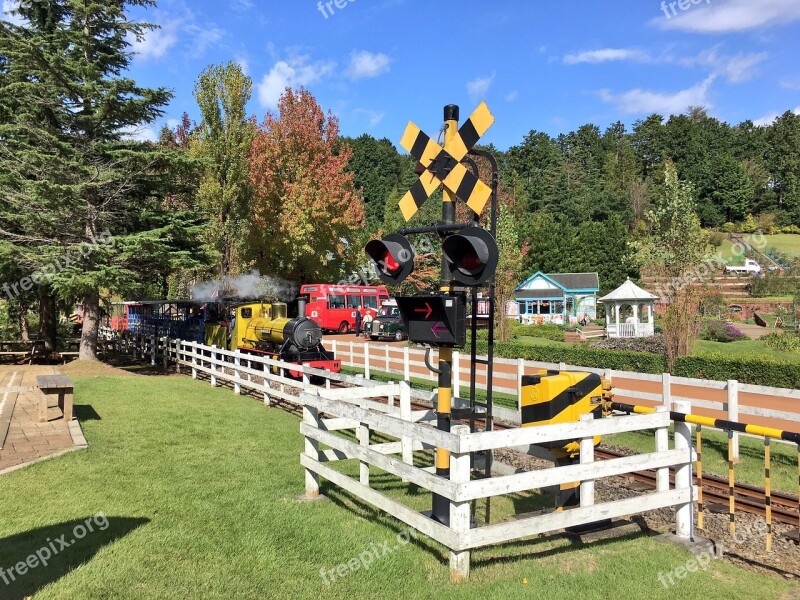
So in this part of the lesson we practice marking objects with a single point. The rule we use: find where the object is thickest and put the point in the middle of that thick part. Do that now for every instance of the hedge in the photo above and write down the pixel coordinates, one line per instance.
(756, 370)
(581, 355)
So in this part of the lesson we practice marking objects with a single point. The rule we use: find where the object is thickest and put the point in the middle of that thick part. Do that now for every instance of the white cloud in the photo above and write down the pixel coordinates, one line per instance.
(736, 69)
(639, 101)
(769, 118)
(173, 123)
(365, 65)
(141, 133)
(203, 38)
(373, 116)
(478, 88)
(512, 96)
(731, 16)
(244, 63)
(294, 72)
(157, 42)
(606, 55)
(791, 83)
(8, 6)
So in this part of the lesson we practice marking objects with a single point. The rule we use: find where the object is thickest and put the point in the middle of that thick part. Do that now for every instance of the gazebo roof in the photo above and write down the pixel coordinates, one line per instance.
(628, 292)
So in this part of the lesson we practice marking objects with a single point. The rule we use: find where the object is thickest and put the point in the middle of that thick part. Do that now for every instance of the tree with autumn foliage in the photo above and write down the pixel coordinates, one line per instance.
(306, 210)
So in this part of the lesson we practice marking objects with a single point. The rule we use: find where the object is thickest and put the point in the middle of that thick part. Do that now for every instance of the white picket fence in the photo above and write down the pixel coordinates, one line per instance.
(370, 407)
(736, 401)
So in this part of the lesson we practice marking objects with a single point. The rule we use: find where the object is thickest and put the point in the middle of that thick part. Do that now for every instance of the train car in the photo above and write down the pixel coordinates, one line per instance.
(256, 328)
(333, 307)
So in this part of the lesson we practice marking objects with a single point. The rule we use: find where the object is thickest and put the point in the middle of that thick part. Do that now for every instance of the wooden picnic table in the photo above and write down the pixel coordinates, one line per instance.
(60, 385)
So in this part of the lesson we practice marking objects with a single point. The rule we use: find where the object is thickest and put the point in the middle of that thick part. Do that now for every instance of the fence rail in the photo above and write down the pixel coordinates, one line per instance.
(730, 400)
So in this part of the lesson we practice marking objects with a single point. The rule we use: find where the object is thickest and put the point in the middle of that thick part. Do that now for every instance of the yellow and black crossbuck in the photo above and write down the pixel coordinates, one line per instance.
(443, 165)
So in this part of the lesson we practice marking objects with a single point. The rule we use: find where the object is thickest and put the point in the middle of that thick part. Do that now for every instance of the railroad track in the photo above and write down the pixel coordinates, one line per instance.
(749, 499)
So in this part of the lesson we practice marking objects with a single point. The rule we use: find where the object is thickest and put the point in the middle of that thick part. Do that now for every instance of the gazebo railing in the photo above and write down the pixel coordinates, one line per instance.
(630, 330)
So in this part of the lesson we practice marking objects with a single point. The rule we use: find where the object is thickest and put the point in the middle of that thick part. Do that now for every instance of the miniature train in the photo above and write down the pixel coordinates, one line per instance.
(255, 327)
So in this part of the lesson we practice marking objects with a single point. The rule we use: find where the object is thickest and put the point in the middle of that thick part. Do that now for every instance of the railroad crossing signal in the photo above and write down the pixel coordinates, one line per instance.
(443, 165)
(437, 320)
(393, 257)
(472, 255)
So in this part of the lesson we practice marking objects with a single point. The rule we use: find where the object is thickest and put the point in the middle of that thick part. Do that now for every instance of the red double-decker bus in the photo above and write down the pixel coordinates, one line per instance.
(334, 306)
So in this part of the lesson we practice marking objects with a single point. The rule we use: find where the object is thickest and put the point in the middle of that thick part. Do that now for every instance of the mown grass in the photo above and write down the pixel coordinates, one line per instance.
(743, 349)
(199, 486)
(786, 243)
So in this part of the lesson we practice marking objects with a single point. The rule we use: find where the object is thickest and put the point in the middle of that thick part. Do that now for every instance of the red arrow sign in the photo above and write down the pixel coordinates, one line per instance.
(428, 310)
(438, 328)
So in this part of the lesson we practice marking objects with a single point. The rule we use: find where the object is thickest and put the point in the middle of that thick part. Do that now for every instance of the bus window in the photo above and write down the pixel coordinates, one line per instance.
(335, 301)
(371, 302)
(353, 301)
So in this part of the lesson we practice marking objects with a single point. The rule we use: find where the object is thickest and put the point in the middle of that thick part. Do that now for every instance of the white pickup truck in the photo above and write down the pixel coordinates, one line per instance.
(749, 267)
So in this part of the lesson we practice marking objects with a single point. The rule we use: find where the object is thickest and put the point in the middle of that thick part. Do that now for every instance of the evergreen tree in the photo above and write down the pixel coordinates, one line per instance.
(80, 202)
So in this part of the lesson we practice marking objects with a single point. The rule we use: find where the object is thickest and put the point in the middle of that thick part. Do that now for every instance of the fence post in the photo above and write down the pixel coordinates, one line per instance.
(733, 415)
(405, 414)
(178, 355)
(459, 511)
(662, 445)
(406, 364)
(683, 472)
(363, 440)
(213, 363)
(352, 355)
(165, 341)
(366, 361)
(194, 359)
(386, 348)
(666, 390)
(237, 361)
(153, 349)
(456, 374)
(520, 375)
(587, 458)
(562, 366)
(267, 384)
(333, 349)
(311, 418)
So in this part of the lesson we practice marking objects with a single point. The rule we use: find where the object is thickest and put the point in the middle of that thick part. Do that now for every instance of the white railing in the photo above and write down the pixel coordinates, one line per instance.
(728, 400)
(630, 330)
(349, 409)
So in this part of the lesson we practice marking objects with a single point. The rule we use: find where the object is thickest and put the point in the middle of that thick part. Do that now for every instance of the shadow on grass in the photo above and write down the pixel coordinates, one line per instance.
(52, 552)
(86, 412)
(511, 552)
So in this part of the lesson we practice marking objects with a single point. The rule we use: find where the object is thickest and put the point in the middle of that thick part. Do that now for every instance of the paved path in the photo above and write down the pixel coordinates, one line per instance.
(22, 438)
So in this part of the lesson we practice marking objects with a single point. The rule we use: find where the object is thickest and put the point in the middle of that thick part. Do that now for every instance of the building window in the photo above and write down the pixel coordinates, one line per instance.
(557, 308)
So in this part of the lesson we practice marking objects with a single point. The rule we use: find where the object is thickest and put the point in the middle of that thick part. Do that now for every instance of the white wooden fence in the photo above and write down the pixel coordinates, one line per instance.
(729, 400)
(370, 407)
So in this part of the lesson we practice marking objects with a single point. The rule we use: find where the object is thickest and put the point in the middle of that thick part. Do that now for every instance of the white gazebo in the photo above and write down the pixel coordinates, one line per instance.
(641, 304)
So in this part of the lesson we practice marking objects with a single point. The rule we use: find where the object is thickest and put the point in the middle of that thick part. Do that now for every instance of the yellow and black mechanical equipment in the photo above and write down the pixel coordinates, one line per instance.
(553, 397)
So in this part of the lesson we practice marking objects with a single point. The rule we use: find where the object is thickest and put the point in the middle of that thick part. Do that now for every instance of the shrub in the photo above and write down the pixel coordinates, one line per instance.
(653, 345)
(786, 342)
(720, 331)
(755, 370)
(774, 284)
(547, 331)
(715, 238)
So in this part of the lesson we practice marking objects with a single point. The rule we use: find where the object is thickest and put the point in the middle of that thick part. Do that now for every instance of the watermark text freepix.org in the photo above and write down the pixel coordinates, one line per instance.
(365, 559)
(46, 273)
(52, 548)
(669, 7)
(328, 8)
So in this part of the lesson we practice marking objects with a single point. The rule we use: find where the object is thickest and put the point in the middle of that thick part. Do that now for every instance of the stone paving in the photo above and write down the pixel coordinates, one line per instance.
(23, 439)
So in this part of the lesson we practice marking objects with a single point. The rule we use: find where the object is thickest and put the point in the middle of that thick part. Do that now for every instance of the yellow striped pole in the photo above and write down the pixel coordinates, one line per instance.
(768, 493)
(731, 487)
(700, 515)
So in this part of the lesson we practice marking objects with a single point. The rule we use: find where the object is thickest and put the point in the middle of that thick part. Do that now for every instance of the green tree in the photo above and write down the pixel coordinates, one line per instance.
(674, 247)
(729, 189)
(223, 140)
(81, 203)
(509, 268)
(376, 166)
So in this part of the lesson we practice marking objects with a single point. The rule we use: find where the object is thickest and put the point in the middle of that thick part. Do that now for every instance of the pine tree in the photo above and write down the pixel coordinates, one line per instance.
(80, 202)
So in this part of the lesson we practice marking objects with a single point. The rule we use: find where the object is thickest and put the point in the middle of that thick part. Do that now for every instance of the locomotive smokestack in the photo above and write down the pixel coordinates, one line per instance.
(301, 306)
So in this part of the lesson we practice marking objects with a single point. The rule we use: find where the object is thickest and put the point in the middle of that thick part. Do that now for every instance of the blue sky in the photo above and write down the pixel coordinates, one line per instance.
(540, 64)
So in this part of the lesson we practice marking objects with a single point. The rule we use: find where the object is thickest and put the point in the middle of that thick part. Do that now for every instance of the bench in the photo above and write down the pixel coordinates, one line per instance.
(60, 385)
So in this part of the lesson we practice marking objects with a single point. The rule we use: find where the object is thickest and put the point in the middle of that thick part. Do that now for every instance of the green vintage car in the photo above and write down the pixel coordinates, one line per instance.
(387, 324)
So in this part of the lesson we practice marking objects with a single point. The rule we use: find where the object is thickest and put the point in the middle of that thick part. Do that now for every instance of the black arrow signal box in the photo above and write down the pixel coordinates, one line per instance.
(438, 320)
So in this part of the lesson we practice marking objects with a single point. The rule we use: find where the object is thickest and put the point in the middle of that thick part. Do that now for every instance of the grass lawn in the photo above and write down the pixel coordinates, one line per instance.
(198, 488)
(744, 348)
(527, 340)
(785, 243)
